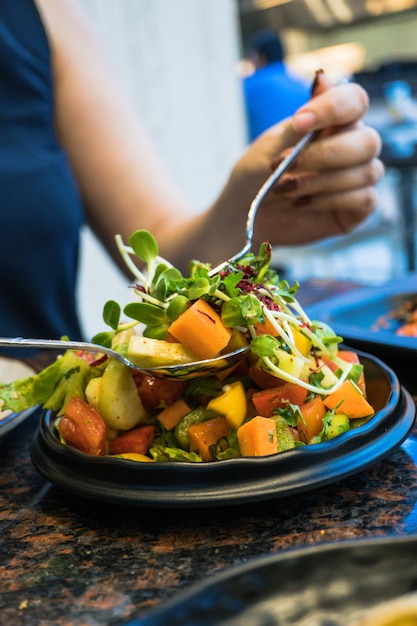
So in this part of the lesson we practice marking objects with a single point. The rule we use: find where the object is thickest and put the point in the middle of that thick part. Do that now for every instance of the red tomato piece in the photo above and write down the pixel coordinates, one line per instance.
(267, 400)
(158, 391)
(83, 428)
(137, 440)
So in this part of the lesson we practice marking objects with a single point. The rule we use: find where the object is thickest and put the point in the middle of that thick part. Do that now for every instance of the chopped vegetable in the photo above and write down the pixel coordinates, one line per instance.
(231, 403)
(201, 330)
(82, 427)
(146, 352)
(310, 424)
(269, 400)
(258, 437)
(137, 440)
(119, 403)
(134, 456)
(172, 414)
(350, 400)
(202, 436)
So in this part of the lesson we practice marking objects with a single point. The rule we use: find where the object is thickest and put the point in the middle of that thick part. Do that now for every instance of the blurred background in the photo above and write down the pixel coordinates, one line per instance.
(183, 62)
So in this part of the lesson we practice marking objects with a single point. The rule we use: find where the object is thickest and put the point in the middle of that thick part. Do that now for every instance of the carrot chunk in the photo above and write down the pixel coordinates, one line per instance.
(205, 434)
(311, 423)
(258, 437)
(349, 400)
(201, 330)
(171, 415)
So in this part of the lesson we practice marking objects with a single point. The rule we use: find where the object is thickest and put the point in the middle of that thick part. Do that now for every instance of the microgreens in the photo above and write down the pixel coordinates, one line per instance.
(245, 293)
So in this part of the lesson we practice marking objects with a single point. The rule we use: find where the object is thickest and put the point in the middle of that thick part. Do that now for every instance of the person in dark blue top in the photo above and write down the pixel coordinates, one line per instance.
(41, 210)
(73, 151)
(273, 92)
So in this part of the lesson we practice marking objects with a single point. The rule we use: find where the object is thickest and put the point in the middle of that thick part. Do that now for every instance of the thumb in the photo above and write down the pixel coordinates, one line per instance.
(321, 83)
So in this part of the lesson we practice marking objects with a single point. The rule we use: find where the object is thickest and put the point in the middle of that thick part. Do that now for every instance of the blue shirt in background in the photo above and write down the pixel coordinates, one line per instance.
(271, 94)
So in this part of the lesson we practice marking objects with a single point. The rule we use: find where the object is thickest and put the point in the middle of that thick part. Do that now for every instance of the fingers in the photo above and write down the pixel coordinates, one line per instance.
(339, 106)
(356, 146)
(350, 206)
(314, 218)
(337, 163)
(295, 186)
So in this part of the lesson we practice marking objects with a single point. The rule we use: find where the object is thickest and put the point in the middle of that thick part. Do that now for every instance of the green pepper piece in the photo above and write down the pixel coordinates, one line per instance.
(339, 423)
(284, 436)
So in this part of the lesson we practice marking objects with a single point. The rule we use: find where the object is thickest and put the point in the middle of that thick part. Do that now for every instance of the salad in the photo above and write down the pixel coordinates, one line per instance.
(296, 386)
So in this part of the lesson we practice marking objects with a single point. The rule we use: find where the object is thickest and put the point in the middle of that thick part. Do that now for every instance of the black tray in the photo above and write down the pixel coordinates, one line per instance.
(354, 316)
(234, 480)
(323, 585)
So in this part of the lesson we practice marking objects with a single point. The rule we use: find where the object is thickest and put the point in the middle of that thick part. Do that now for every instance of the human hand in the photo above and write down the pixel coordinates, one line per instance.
(331, 188)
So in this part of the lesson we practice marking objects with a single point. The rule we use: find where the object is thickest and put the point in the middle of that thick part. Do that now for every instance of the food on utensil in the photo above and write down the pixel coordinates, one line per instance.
(401, 611)
(402, 319)
(296, 385)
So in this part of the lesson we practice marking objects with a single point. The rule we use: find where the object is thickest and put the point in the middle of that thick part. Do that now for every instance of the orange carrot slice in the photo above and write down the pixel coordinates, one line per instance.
(171, 415)
(349, 400)
(311, 425)
(203, 435)
(258, 437)
(201, 330)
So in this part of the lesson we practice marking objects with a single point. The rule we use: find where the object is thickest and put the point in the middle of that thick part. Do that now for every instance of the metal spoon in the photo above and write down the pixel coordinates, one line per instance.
(253, 209)
(182, 371)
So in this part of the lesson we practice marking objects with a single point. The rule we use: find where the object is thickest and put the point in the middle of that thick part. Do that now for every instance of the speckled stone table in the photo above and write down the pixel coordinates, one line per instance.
(66, 561)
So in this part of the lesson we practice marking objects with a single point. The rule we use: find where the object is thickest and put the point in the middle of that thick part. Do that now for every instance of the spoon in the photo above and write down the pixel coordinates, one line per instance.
(253, 209)
(182, 371)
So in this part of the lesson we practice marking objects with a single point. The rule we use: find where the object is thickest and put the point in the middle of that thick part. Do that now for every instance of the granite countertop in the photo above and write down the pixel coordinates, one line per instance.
(69, 561)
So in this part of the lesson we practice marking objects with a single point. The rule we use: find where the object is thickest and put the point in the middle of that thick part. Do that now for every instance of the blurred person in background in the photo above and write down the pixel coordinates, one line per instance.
(273, 92)
(73, 151)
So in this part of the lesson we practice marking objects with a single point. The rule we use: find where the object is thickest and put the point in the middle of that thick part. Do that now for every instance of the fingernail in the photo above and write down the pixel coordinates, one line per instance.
(304, 121)
(315, 83)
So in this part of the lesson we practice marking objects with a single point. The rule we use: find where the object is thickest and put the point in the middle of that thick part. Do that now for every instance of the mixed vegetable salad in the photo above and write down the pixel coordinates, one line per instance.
(295, 386)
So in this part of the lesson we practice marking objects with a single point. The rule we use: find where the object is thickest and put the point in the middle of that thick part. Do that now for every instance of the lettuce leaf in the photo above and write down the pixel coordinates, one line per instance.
(52, 387)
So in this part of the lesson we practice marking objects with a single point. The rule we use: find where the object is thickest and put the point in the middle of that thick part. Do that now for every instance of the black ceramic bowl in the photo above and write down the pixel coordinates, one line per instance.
(234, 480)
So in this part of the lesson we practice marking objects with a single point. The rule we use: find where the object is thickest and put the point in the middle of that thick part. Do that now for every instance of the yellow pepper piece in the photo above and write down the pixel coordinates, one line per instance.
(237, 340)
(231, 403)
(133, 456)
(302, 342)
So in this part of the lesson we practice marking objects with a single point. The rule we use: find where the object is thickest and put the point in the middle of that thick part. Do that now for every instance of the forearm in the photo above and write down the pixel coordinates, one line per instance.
(210, 236)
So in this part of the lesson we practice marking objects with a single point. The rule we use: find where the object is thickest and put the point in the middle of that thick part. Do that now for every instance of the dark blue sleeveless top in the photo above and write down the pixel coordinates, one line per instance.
(40, 209)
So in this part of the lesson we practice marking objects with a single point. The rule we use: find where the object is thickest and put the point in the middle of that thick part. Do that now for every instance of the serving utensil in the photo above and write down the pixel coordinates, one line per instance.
(253, 209)
(182, 371)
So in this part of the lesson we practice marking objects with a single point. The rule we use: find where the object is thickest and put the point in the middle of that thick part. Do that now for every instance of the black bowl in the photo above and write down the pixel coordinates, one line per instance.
(233, 481)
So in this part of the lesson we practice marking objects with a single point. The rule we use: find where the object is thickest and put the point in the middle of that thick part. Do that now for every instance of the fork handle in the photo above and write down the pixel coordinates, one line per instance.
(49, 344)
